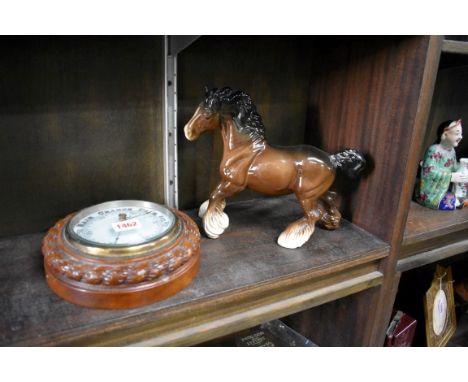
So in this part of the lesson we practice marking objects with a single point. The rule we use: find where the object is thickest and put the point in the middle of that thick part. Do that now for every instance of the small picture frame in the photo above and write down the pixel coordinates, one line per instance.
(439, 308)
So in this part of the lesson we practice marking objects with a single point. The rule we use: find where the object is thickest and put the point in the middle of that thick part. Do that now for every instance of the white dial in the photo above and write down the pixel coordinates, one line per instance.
(439, 312)
(121, 223)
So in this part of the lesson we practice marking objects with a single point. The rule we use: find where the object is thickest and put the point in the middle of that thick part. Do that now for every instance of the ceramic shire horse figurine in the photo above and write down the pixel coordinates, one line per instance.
(249, 161)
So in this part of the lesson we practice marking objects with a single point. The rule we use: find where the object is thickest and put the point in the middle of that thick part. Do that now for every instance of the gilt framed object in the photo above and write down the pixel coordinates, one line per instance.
(439, 308)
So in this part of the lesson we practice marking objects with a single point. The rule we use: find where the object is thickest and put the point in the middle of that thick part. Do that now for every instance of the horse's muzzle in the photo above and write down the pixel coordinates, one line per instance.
(188, 133)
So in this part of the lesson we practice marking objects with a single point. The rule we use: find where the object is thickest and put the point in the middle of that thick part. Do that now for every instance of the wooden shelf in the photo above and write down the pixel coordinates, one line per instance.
(432, 235)
(245, 279)
(330, 92)
(453, 46)
(454, 54)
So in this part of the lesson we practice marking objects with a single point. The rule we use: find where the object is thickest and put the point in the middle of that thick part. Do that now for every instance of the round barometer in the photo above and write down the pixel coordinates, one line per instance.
(121, 254)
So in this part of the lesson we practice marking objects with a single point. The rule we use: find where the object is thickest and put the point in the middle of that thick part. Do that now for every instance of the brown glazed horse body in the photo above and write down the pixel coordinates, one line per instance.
(250, 162)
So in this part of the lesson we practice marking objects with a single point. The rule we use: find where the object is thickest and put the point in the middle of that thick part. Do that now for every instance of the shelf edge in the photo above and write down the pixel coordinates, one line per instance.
(244, 319)
(431, 256)
(457, 47)
(228, 314)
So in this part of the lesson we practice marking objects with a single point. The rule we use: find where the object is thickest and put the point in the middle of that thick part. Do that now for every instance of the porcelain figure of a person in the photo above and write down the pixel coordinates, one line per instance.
(440, 169)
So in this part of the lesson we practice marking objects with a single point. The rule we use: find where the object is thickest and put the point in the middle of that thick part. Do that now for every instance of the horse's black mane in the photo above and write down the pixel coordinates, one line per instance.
(240, 106)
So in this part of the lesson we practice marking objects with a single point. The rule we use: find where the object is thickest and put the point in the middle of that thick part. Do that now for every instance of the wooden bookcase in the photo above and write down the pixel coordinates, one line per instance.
(430, 237)
(91, 113)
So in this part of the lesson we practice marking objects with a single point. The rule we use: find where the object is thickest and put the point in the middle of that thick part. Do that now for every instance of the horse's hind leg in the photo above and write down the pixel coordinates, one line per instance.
(330, 215)
(299, 232)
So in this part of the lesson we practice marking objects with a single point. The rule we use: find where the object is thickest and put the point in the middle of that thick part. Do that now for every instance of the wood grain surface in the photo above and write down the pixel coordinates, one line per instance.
(451, 46)
(80, 123)
(72, 106)
(364, 95)
(432, 235)
(274, 70)
(244, 271)
(450, 102)
(333, 93)
(424, 223)
(317, 323)
(430, 58)
(374, 94)
(428, 230)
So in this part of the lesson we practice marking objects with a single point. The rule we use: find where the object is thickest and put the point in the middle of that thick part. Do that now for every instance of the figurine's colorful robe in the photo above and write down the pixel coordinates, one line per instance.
(436, 171)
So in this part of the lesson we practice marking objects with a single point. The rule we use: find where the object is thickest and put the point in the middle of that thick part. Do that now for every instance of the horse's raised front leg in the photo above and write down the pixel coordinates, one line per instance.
(215, 220)
(299, 232)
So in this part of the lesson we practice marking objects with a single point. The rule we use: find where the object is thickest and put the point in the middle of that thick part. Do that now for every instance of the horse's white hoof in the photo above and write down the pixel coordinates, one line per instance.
(295, 236)
(203, 208)
(215, 224)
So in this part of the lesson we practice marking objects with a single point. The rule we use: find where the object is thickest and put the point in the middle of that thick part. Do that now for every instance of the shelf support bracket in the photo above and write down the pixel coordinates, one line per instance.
(173, 45)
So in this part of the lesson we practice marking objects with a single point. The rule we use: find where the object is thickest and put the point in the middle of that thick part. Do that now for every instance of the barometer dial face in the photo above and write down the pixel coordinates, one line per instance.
(123, 223)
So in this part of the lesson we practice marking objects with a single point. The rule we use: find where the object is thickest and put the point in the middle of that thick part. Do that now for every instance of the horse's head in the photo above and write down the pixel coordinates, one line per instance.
(206, 117)
(221, 104)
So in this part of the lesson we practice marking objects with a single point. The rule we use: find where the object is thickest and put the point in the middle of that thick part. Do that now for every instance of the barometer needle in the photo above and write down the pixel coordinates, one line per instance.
(137, 216)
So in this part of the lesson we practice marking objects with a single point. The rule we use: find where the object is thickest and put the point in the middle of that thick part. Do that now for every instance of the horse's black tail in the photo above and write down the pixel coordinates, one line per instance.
(351, 162)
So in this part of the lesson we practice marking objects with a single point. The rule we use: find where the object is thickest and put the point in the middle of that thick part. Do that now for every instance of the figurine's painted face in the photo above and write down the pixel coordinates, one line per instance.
(453, 135)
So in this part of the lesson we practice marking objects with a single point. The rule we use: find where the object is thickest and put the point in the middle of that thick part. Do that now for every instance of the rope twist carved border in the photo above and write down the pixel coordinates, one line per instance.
(147, 269)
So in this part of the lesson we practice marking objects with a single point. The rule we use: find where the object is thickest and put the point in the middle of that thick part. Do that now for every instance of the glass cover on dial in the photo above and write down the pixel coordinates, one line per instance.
(121, 223)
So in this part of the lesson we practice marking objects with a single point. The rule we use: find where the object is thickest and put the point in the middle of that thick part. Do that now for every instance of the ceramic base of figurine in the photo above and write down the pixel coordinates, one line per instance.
(296, 235)
(214, 222)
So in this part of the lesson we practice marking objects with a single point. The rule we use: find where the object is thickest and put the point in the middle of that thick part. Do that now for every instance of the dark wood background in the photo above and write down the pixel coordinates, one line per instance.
(318, 323)
(364, 94)
(450, 101)
(81, 116)
(334, 93)
(80, 123)
(230, 271)
(274, 70)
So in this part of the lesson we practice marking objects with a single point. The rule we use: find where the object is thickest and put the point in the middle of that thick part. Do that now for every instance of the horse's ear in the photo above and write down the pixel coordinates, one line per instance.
(205, 88)
(213, 104)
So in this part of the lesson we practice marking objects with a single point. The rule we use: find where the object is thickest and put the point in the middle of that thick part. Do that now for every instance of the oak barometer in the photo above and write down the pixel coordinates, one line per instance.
(121, 254)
